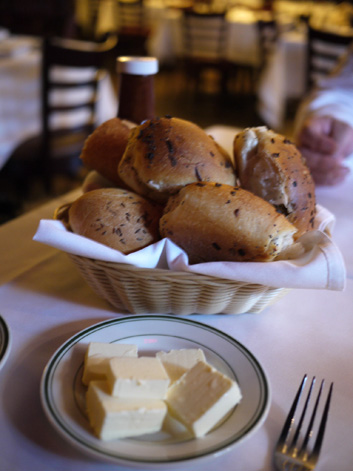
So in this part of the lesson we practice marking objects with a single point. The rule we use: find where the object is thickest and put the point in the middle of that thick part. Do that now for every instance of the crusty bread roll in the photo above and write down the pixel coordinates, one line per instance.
(270, 166)
(217, 222)
(95, 180)
(104, 148)
(117, 218)
(165, 154)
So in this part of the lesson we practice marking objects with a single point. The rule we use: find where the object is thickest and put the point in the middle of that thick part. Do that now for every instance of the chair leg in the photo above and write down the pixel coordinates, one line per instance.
(45, 171)
(48, 186)
(224, 82)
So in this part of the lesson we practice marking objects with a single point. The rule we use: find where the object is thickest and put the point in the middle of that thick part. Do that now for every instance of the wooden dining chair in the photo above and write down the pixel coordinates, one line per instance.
(204, 39)
(133, 28)
(267, 38)
(87, 26)
(325, 48)
(70, 75)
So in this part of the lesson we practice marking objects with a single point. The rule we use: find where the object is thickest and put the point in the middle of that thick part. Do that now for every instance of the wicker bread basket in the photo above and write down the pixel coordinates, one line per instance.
(159, 291)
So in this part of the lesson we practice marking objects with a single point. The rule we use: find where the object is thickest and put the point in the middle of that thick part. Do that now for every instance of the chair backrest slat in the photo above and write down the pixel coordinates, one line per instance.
(268, 36)
(204, 35)
(325, 48)
(131, 14)
(71, 71)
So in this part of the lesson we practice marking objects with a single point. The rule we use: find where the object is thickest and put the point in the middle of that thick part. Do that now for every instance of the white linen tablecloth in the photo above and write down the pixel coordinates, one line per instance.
(45, 301)
(283, 78)
(20, 88)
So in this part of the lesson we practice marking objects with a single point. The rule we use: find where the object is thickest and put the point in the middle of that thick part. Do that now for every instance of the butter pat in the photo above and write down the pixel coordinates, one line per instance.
(202, 397)
(98, 355)
(143, 377)
(113, 418)
(175, 428)
(177, 362)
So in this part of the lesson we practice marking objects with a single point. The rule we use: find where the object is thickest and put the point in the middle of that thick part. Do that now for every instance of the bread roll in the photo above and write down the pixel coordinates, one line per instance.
(104, 148)
(117, 218)
(215, 222)
(270, 166)
(165, 154)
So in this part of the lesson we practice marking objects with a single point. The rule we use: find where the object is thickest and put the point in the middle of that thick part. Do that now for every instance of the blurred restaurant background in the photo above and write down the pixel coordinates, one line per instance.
(231, 62)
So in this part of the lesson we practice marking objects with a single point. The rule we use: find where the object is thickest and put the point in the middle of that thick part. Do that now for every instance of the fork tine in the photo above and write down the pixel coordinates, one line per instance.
(290, 418)
(309, 431)
(301, 420)
(286, 454)
(320, 436)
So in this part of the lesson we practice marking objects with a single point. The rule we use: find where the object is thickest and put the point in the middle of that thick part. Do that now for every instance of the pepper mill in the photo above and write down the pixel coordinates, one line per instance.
(136, 88)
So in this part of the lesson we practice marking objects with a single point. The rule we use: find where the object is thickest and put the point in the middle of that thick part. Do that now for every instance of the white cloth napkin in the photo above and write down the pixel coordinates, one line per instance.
(320, 267)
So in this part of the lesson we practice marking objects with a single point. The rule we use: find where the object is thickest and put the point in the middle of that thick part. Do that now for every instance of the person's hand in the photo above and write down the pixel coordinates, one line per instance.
(325, 142)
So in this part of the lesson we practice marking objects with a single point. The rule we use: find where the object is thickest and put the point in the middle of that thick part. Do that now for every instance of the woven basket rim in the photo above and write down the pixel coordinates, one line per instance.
(135, 290)
(166, 273)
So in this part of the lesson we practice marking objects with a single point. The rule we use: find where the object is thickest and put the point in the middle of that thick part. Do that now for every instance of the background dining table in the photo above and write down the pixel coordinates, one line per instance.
(283, 79)
(166, 37)
(44, 301)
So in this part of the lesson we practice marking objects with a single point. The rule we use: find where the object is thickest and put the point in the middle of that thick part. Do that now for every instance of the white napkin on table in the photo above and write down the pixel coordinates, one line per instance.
(320, 267)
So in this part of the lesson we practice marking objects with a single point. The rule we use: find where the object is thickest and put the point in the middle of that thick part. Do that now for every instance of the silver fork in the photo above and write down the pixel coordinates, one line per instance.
(295, 451)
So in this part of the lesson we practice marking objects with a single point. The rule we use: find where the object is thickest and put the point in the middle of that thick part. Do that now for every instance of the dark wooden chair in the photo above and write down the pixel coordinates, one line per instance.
(247, 75)
(204, 38)
(325, 48)
(70, 75)
(39, 18)
(88, 30)
(133, 28)
(268, 36)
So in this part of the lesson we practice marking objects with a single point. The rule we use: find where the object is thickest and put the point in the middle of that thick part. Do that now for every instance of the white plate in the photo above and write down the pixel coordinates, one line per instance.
(4, 342)
(62, 393)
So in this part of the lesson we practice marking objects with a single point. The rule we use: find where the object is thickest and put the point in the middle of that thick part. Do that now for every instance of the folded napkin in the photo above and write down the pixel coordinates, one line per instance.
(321, 265)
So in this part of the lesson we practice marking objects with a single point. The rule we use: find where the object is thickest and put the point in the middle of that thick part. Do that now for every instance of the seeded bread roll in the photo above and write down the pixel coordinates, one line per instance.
(104, 149)
(165, 154)
(117, 218)
(270, 166)
(215, 222)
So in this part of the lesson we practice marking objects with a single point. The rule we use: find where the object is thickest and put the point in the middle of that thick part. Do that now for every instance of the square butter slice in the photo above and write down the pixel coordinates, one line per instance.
(177, 362)
(202, 397)
(142, 377)
(97, 356)
(112, 418)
